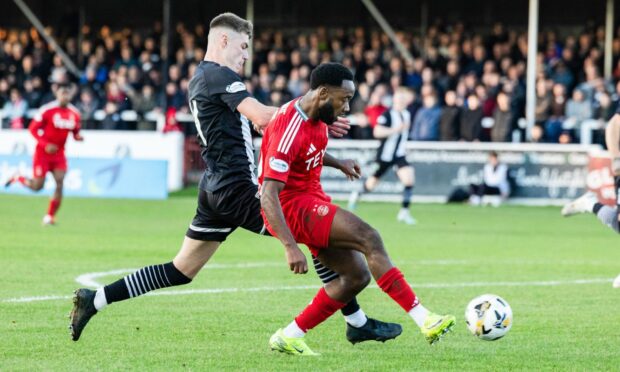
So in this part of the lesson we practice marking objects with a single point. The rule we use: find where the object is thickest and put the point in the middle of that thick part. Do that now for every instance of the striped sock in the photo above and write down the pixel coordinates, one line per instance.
(145, 280)
(327, 275)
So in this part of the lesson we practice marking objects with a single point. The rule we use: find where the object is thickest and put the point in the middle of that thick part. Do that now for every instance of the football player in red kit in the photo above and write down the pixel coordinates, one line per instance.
(50, 127)
(297, 211)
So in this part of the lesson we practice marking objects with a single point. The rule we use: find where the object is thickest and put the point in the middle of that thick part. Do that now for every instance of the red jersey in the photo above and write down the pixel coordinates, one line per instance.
(53, 123)
(292, 152)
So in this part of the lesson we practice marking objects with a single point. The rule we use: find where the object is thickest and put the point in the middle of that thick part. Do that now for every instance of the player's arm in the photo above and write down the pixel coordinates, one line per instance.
(260, 115)
(349, 167)
(270, 202)
(35, 128)
(612, 140)
(76, 131)
(256, 112)
(383, 129)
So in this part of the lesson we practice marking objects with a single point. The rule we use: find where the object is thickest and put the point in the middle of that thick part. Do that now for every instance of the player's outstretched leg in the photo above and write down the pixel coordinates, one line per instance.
(350, 231)
(353, 277)
(360, 328)
(583, 204)
(193, 255)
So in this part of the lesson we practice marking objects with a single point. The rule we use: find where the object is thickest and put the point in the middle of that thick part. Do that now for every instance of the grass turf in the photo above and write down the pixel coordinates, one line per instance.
(530, 256)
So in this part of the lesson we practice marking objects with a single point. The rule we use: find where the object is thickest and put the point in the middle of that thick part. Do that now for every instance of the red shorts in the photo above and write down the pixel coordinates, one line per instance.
(310, 220)
(43, 163)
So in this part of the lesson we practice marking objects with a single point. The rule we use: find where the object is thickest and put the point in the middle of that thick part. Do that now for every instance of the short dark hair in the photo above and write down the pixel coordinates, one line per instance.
(233, 22)
(329, 74)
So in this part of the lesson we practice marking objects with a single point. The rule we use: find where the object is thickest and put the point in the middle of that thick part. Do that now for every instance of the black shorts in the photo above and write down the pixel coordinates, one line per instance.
(220, 213)
(384, 166)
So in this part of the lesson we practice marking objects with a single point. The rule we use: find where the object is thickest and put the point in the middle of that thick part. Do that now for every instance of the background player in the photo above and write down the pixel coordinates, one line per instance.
(588, 203)
(50, 127)
(393, 129)
(297, 210)
(228, 190)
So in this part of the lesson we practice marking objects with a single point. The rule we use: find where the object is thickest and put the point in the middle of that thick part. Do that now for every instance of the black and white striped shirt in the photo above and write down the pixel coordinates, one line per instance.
(393, 146)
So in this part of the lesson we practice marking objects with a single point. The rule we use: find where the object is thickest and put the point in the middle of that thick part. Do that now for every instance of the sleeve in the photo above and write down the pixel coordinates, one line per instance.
(282, 151)
(385, 119)
(35, 127)
(228, 86)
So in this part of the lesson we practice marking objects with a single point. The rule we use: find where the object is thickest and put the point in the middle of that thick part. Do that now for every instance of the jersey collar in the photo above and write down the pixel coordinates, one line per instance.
(300, 111)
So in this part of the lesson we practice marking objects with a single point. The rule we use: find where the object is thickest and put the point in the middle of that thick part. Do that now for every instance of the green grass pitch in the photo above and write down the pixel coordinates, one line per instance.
(556, 274)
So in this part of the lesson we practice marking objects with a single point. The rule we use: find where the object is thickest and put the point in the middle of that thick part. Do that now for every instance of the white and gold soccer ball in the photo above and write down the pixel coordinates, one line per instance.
(488, 317)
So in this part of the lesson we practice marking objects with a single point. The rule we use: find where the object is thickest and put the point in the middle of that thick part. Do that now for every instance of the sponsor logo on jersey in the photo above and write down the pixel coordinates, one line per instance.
(235, 87)
(62, 123)
(311, 149)
(278, 165)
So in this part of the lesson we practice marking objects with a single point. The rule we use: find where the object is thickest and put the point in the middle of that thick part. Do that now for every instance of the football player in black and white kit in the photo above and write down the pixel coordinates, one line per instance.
(393, 130)
(588, 202)
(228, 192)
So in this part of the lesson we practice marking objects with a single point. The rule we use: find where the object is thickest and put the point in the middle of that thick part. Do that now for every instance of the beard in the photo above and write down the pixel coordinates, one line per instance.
(326, 113)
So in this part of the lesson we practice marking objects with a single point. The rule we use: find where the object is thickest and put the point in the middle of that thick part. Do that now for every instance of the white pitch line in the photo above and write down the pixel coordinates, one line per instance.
(89, 279)
(548, 283)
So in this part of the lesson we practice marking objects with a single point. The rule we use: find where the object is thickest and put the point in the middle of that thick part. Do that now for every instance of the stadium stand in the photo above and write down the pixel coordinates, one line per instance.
(123, 88)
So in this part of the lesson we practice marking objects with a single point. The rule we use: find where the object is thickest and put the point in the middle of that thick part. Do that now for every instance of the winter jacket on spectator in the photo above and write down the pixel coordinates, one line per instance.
(502, 128)
(426, 124)
(449, 122)
(471, 124)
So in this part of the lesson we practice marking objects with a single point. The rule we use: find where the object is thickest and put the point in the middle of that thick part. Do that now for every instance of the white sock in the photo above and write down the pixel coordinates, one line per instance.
(293, 330)
(357, 319)
(100, 300)
(419, 314)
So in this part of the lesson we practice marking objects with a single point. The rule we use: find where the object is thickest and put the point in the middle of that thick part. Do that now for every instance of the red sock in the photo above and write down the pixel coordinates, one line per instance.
(21, 179)
(54, 205)
(394, 284)
(321, 308)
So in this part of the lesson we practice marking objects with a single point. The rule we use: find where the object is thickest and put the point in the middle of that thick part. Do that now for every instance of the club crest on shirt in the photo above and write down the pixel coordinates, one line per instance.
(322, 210)
(278, 165)
(235, 87)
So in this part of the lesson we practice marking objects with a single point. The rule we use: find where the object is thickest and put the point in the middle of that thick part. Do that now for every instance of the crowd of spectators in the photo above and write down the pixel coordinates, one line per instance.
(461, 78)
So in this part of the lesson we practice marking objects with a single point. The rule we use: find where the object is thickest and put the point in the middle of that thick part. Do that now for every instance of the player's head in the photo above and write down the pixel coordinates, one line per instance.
(64, 92)
(334, 87)
(403, 97)
(229, 39)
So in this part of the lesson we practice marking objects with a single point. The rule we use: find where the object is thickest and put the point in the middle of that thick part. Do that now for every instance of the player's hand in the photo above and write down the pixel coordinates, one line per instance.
(351, 169)
(340, 127)
(615, 165)
(78, 137)
(296, 260)
(50, 148)
(258, 128)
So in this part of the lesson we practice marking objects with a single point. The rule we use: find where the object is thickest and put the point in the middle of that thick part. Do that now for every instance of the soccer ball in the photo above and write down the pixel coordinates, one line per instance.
(488, 317)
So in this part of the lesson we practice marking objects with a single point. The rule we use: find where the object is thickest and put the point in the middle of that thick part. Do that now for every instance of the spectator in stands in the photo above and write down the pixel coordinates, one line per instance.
(502, 126)
(87, 104)
(360, 127)
(450, 118)
(375, 105)
(31, 94)
(112, 119)
(578, 109)
(603, 108)
(494, 182)
(470, 128)
(425, 125)
(15, 110)
(543, 103)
